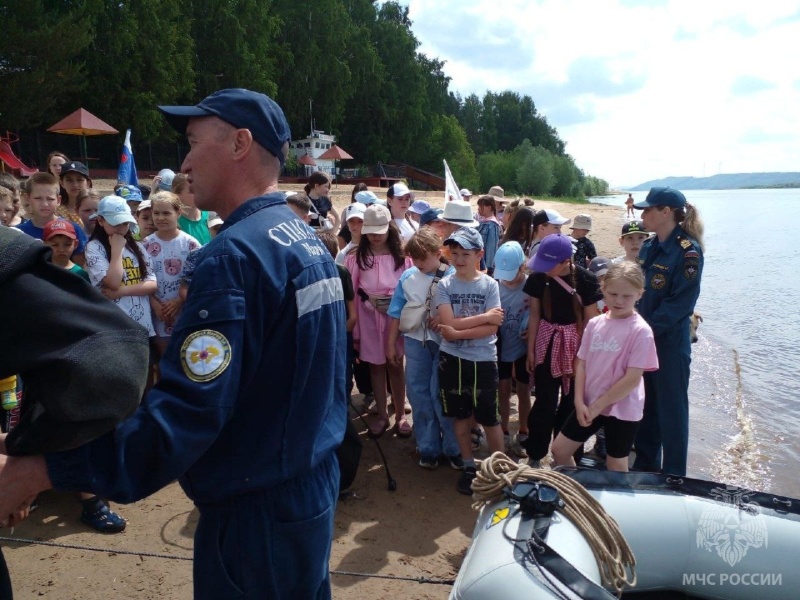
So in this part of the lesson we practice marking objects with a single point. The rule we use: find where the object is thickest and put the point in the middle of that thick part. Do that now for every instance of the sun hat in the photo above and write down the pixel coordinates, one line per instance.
(376, 219)
(244, 109)
(465, 192)
(213, 220)
(366, 198)
(355, 210)
(496, 191)
(582, 222)
(547, 215)
(59, 227)
(458, 212)
(430, 215)
(658, 196)
(554, 249)
(466, 237)
(115, 211)
(399, 189)
(507, 261)
(74, 167)
(167, 177)
(599, 265)
(130, 193)
(633, 227)
(419, 206)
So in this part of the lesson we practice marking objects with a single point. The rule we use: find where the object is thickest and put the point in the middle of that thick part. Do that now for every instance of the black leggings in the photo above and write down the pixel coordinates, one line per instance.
(547, 415)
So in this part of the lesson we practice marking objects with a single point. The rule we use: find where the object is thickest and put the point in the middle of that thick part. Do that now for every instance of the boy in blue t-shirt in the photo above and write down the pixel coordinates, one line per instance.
(44, 198)
(470, 313)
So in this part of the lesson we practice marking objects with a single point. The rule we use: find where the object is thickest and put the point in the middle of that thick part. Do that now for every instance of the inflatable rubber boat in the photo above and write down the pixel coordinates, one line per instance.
(690, 539)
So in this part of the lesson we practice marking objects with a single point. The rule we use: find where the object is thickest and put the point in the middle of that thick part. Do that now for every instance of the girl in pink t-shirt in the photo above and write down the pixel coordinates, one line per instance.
(616, 349)
(376, 267)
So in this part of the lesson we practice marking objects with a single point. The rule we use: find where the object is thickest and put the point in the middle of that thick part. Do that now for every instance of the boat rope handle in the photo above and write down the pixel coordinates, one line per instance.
(611, 550)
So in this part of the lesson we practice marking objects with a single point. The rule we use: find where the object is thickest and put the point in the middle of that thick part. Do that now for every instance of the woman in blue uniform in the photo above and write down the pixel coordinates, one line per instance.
(672, 261)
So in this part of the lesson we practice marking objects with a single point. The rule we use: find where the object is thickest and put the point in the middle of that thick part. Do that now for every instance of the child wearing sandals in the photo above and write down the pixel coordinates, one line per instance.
(376, 267)
(469, 314)
(433, 431)
(617, 348)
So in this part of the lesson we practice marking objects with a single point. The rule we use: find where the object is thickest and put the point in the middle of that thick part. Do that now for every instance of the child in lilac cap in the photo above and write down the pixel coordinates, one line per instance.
(563, 298)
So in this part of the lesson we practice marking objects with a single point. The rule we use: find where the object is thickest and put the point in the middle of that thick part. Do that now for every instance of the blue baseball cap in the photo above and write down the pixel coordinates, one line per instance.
(430, 215)
(244, 109)
(115, 211)
(507, 261)
(167, 177)
(466, 237)
(366, 198)
(554, 249)
(130, 193)
(419, 207)
(659, 196)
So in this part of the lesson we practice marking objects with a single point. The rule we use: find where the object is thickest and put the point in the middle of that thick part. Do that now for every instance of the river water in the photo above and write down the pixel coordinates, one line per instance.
(745, 384)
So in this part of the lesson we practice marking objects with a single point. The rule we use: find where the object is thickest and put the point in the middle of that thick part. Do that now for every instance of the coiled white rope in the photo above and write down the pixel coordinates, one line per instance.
(613, 554)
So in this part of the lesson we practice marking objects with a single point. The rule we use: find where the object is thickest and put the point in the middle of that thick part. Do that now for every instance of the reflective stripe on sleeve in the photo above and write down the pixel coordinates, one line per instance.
(318, 294)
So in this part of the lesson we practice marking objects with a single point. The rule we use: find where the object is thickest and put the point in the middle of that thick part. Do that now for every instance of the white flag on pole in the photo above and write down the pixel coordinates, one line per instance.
(450, 187)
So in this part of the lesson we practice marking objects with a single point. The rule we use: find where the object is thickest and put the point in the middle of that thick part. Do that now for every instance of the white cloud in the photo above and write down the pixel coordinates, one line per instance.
(638, 90)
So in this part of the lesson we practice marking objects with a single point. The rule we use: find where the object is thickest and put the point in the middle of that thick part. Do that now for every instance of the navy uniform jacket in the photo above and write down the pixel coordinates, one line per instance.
(672, 272)
(252, 389)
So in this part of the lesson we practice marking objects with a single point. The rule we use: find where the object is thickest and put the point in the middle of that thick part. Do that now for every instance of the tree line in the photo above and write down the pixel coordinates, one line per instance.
(352, 64)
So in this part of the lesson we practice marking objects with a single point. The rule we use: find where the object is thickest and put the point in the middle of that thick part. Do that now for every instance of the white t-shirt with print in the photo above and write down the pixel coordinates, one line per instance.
(169, 259)
(136, 307)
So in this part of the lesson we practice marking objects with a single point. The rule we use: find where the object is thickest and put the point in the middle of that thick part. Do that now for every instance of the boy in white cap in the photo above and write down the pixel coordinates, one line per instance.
(584, 247)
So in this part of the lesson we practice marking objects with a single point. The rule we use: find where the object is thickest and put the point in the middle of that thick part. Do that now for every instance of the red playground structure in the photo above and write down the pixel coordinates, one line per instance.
(7, 157)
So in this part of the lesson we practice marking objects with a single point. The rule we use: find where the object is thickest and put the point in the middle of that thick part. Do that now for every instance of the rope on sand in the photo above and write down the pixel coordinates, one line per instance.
(16, 540)
(612, 552)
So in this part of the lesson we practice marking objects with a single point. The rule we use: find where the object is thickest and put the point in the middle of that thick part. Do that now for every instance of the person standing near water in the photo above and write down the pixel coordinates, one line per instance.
(672, 261)
(629, 207)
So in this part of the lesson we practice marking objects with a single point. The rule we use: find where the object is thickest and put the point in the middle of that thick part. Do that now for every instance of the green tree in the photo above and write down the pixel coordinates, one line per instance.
(40, 60)
(535, 172)
(448, 141)
(498, 168)
(315, 43)
(470, 117)
(567, 176)
(144, 60)
(403, 94)
(234, 45)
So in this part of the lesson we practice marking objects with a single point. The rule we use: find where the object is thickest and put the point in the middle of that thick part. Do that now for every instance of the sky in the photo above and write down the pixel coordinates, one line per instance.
(638, 90)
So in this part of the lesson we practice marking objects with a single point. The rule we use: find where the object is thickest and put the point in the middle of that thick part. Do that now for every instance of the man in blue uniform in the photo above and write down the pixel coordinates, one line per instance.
(672, 261)
(251, 403)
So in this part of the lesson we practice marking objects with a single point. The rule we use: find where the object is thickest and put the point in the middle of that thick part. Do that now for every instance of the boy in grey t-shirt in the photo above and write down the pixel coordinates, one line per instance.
(470, 313)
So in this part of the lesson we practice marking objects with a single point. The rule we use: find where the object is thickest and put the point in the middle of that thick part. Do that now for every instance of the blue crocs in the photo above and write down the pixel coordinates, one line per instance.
(97, 515)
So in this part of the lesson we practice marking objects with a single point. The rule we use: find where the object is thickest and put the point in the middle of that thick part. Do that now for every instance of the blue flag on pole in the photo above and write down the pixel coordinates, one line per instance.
(127, 166)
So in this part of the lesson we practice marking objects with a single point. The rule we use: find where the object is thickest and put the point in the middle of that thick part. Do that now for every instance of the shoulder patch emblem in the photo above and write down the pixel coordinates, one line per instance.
(691, 254)
(658, 281)
(205, 355)
(690, 272)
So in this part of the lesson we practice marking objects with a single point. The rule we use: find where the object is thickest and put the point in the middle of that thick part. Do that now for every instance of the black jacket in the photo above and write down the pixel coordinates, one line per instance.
(82, 360)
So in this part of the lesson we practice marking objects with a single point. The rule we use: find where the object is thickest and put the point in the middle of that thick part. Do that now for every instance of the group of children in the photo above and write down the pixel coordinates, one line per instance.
(477, 304)
(136, 251)
(470, 329)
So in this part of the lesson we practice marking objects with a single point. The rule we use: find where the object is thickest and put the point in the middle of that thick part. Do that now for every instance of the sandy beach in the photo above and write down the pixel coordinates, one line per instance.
(419, 531)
